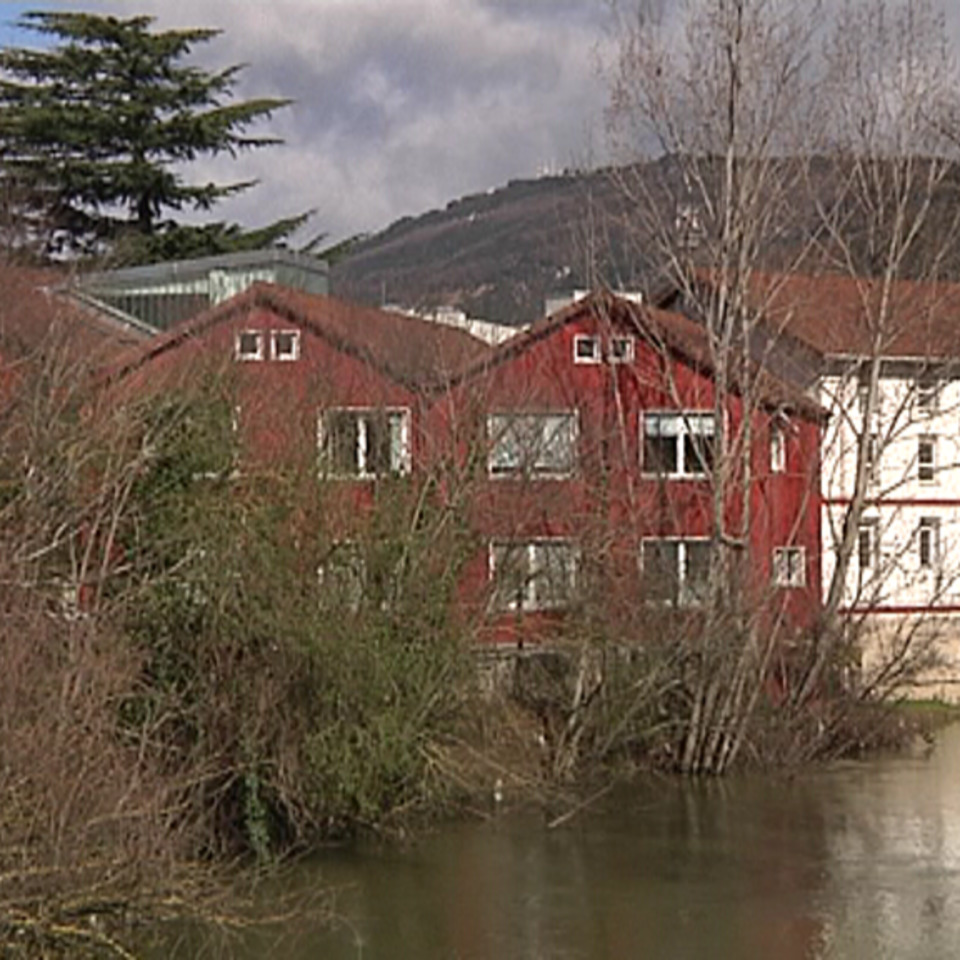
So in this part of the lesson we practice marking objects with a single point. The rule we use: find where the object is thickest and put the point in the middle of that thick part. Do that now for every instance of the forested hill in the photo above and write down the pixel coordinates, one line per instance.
(500, 254)
(497, 255)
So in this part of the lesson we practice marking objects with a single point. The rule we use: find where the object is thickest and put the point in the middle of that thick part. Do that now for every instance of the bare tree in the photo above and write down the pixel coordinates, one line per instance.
(722, 96)
(889, 223)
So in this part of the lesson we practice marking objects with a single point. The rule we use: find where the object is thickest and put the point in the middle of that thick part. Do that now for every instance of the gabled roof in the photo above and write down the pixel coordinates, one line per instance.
(415, 353)
(32, 310)
(664, 329)
(838, 315)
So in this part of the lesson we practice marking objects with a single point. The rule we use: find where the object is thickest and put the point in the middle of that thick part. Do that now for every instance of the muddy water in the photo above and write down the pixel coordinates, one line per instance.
(855, 861)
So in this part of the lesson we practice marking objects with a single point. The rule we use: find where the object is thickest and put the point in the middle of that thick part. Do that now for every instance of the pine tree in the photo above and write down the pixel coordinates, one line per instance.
(94, 132)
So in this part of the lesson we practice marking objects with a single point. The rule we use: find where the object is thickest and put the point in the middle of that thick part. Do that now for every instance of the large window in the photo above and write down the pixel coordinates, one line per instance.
(532, 444)
(678, 444)
(533, 574)
(676, 571)
(364, 442)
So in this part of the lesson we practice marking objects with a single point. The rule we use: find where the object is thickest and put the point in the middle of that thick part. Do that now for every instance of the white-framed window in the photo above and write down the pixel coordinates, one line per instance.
(928, 543)
(363, 442)
(678, 444)
(927, 459)
(586, 348)
(621, 350)
(927, 395)
(532, 444)
(675, 571)
(778, 447)
(248, 345)
(533, 574)
(868, 544)
(285, 345)
(789, 567)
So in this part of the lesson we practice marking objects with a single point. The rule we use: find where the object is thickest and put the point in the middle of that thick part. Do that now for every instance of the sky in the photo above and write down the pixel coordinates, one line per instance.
(400, 105)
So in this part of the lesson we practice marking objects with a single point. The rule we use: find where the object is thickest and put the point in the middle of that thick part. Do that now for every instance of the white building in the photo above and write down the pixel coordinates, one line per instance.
(832, 334)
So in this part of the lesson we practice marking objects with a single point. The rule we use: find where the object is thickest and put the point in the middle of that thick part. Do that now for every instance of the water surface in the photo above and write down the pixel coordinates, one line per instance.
(860, 860)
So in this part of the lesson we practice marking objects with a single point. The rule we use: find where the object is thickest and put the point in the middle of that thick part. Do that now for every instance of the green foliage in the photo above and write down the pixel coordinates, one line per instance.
(103, 121)
(320, 705)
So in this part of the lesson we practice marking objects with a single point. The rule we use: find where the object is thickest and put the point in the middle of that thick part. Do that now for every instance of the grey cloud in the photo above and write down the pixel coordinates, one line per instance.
(401, 105)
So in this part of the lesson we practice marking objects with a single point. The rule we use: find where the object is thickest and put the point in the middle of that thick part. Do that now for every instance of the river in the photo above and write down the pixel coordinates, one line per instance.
(857, 860)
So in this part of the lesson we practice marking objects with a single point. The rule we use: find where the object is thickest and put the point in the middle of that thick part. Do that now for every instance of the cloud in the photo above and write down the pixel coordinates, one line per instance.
(401, 105)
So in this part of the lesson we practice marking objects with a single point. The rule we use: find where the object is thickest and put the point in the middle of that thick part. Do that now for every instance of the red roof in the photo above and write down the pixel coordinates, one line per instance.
(32, 311)
(842, 315)
(416, 353)
(666, 330)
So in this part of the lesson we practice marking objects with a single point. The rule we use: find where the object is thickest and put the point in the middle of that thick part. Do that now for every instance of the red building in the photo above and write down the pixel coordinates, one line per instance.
(582, 452)
(601, 433)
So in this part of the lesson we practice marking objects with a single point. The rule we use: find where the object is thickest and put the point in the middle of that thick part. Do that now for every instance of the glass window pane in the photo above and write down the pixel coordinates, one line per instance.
(660, 455)
(341, 442)
(697, 454)
(661, 564)
(511, 575)
(556, 444)
(505, 450)
(696, 573)
(554, 574)
(865, 546)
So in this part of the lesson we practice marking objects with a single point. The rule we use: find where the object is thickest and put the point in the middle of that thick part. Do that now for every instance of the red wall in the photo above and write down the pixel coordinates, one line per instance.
(609, 505)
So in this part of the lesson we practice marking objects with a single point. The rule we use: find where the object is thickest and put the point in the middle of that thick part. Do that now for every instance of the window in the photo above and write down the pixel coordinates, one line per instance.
(873, 457)
(927, 395)
(676, 571)
(586, 349)
(868, 544)
(533, 575)
(285, 345)
(678, 444)
(364, 442)
(926, 459)
(342, 577)
(928, 542)
(778, 448)
(863, 396)
(533, 444)
(789, 567)
(249, 345)
(621, 349)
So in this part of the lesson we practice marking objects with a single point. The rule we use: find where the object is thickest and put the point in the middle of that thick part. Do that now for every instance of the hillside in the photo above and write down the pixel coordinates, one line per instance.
(500, 254)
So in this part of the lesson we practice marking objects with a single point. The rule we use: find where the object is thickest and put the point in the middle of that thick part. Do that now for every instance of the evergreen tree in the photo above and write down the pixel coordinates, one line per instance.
(93, 133)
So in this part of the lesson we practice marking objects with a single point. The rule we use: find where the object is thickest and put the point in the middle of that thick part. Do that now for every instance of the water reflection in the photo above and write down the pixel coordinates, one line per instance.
(859, 861)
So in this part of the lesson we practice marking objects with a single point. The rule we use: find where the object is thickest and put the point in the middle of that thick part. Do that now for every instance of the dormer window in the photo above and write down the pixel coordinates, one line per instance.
(621, 349)
(249, 345)
(586, 349)
(285, 345)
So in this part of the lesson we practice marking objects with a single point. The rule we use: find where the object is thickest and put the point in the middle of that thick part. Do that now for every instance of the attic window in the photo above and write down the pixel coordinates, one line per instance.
(586, 349)
(621, 349)
(249, 345)
(285, 345)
